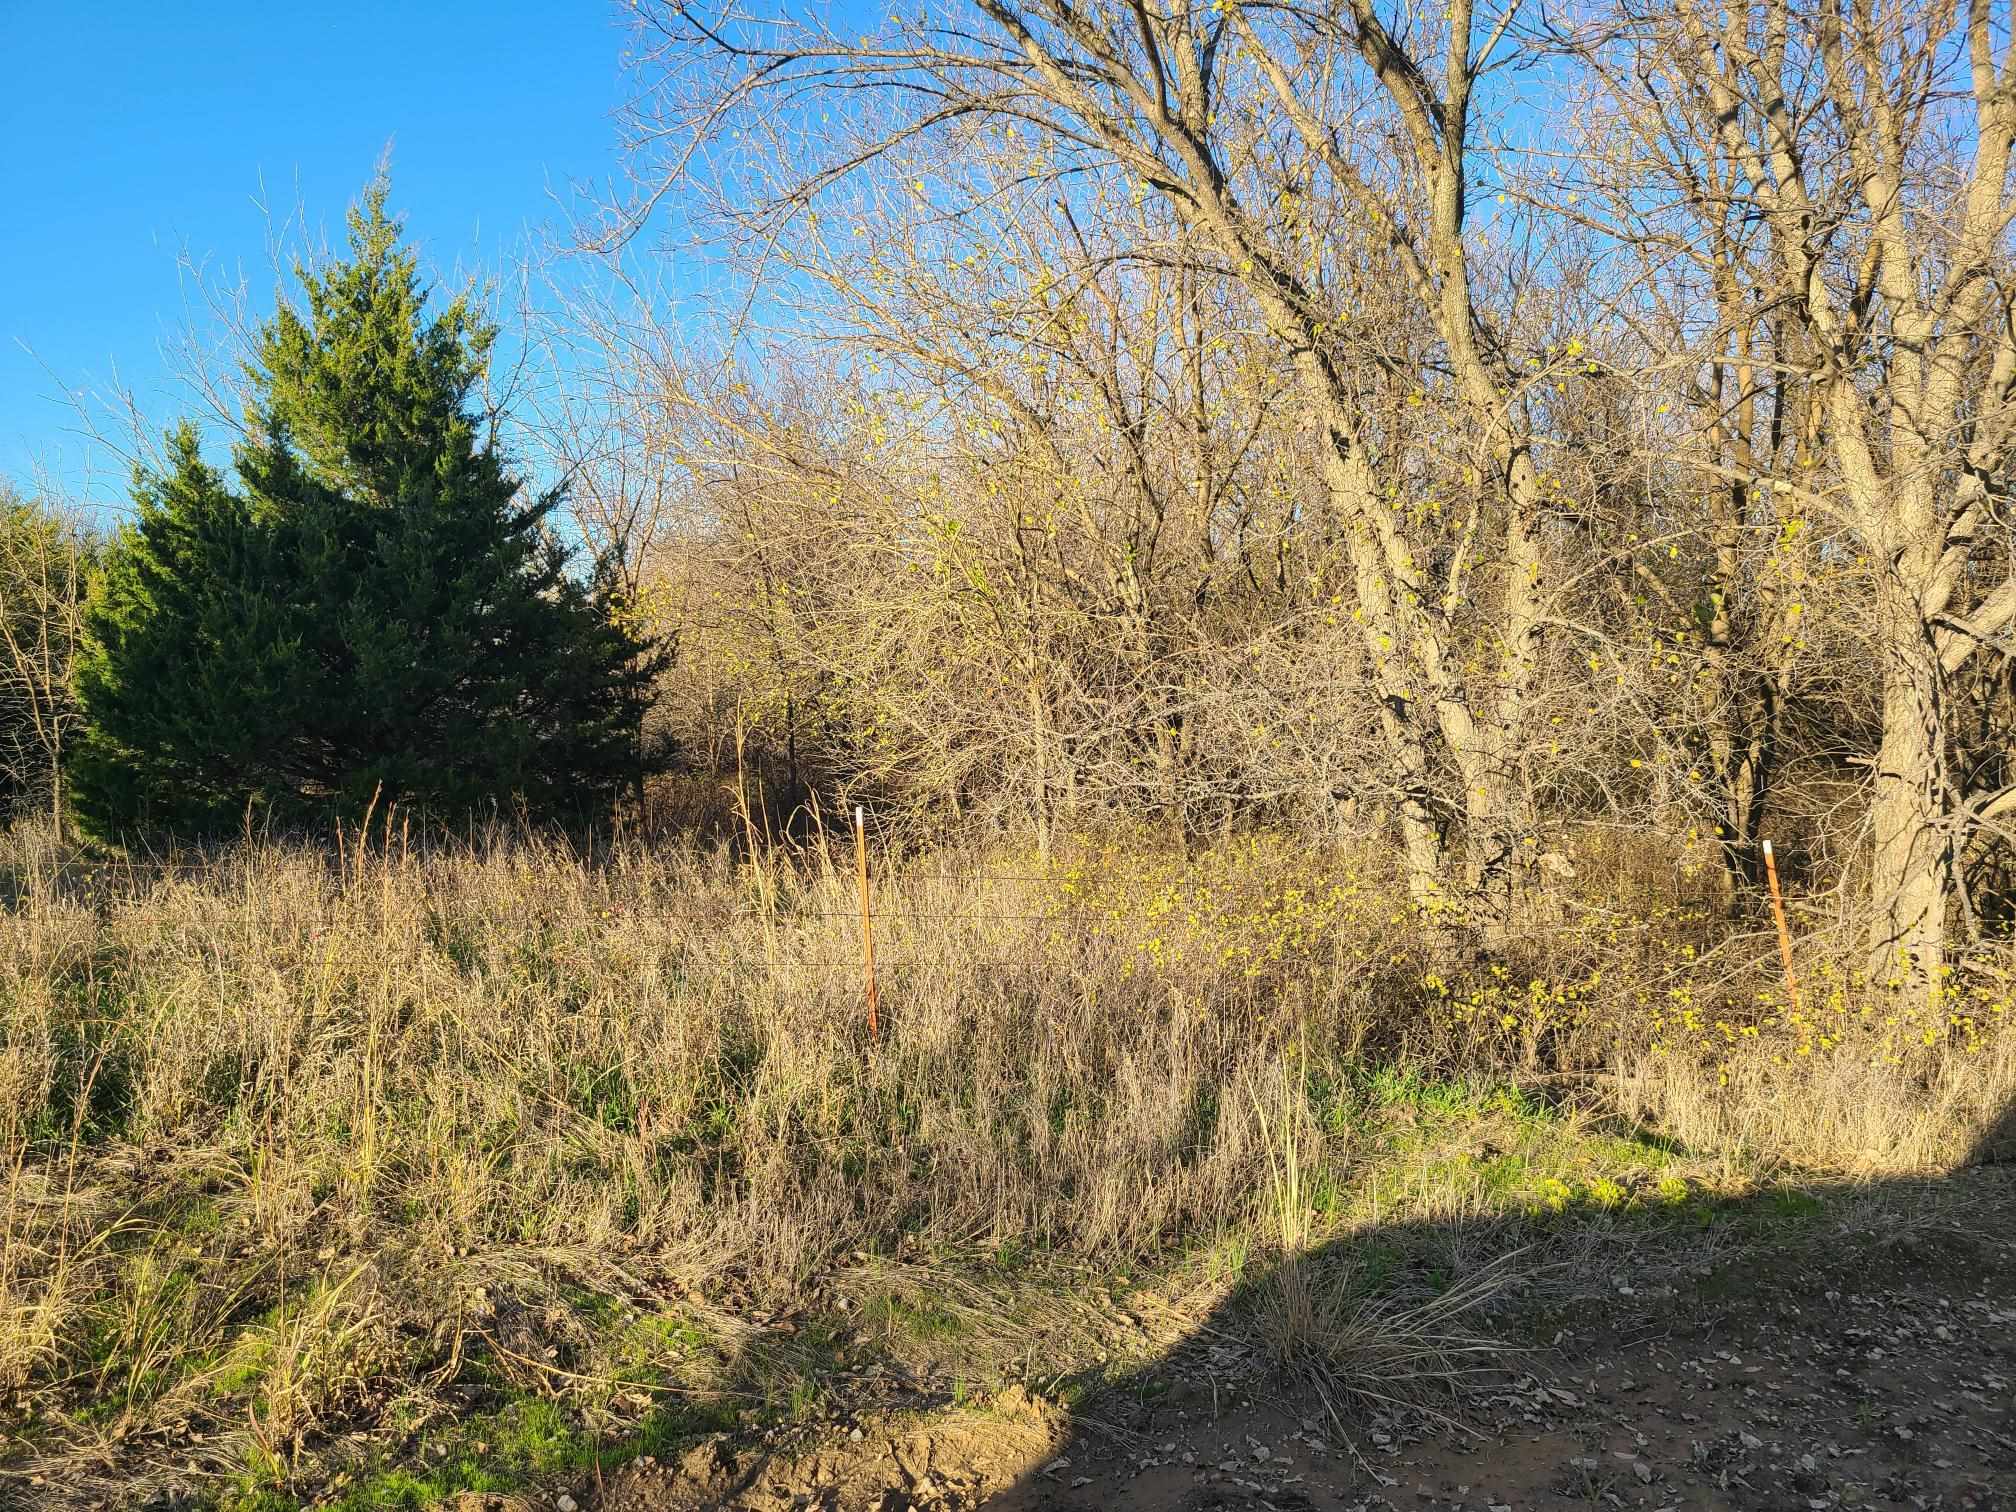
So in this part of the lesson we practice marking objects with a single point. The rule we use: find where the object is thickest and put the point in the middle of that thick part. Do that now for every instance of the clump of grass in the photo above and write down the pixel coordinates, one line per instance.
(290, 1151)
(1349, 1344)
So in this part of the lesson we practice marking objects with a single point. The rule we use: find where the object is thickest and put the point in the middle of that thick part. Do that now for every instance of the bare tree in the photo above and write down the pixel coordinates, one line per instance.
(1872, 143)
(1726, 419)
(45, 558)
(1323, 159)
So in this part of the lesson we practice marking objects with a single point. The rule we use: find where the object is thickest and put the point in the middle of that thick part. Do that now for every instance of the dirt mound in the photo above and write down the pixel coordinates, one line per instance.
(945, 1464)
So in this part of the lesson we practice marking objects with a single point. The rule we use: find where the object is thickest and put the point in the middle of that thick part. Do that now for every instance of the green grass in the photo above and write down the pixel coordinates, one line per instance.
(1393, 1147)
(920, 1320)
(526, 1440)
(521, 1108)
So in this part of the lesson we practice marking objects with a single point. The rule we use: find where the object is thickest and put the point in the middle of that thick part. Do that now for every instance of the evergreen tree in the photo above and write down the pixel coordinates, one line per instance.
(376, 602)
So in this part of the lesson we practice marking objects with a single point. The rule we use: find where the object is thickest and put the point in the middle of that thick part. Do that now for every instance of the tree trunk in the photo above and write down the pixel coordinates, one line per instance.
(1421, 839)
(1489, 850)
(1741, 761)
(1911, 875)
(1742, 859)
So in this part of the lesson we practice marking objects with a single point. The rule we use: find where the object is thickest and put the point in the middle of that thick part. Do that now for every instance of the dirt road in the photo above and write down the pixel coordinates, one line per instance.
(1880, 1376)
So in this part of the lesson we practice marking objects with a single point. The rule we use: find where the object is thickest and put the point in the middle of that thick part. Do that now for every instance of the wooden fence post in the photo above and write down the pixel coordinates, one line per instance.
(1784, 933)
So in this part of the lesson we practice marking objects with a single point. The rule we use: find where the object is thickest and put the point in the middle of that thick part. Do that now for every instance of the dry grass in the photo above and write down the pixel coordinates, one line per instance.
(290, 1148)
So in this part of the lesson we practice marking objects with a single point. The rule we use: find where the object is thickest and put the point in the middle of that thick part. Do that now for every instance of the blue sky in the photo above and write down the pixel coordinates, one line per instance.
(130, 131)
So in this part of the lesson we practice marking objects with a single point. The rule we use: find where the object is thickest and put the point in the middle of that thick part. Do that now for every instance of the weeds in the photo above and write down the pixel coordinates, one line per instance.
(291, 1155)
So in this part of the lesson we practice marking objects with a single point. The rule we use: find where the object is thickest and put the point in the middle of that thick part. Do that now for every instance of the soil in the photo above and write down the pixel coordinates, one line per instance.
(1879, 1378)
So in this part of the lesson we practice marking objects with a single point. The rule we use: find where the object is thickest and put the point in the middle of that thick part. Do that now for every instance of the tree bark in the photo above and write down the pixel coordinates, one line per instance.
(1912, 862)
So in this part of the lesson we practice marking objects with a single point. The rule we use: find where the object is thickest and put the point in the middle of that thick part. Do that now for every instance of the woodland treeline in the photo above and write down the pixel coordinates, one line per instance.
(1430, 427)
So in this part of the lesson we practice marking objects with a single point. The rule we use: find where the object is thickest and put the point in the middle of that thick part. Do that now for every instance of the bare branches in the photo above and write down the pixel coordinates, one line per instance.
(1180, 373)
(45, 557)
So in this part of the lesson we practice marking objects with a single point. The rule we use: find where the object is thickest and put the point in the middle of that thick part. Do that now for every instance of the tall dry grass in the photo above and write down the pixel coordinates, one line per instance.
(289, 1141)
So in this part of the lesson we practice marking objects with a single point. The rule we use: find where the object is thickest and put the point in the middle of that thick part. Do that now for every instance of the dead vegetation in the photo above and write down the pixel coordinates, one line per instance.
(492, 1162)
(1328, 649)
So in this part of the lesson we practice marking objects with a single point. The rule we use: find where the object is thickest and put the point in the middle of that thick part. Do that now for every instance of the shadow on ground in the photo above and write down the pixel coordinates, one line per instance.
(1997, 1144)
(1806, 1347)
